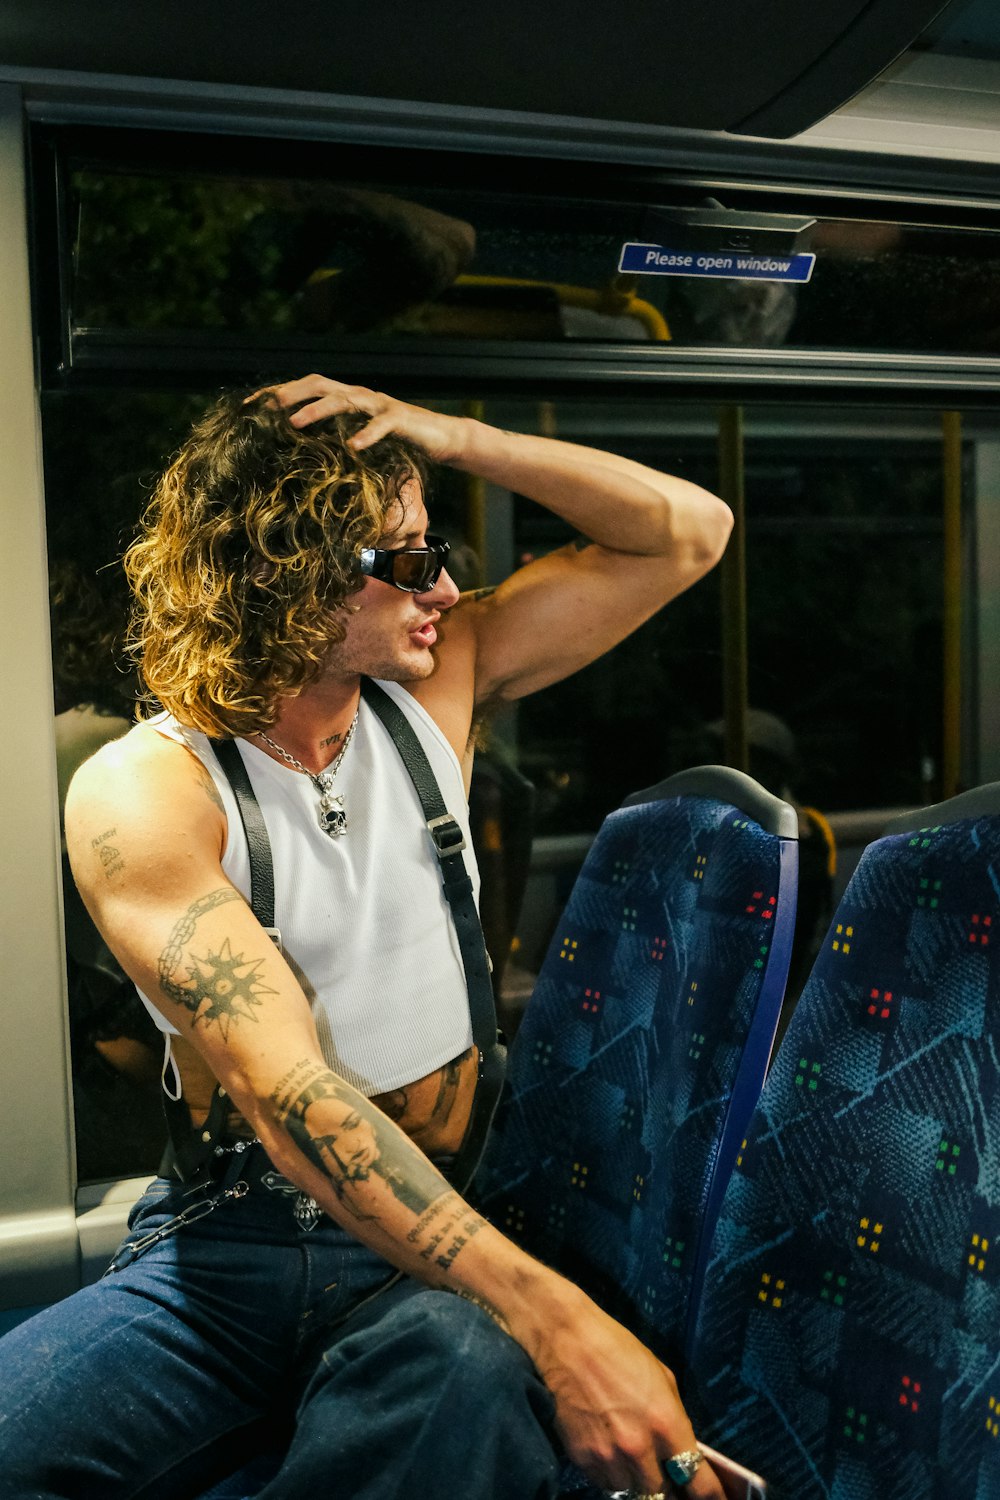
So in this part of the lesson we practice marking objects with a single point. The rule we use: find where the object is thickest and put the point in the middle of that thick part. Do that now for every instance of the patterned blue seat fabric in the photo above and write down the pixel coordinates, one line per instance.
(622, 1074)
(849, 1339)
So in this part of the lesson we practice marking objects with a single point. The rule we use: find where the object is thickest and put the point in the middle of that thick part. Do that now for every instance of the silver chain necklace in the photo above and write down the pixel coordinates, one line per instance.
(332, 816)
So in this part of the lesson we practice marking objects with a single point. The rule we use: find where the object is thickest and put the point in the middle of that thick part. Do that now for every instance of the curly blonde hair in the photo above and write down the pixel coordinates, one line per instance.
(247, 555)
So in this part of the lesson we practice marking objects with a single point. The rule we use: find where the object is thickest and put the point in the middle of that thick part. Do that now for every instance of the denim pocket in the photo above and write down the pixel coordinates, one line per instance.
(163, 1200)
(159, 1191)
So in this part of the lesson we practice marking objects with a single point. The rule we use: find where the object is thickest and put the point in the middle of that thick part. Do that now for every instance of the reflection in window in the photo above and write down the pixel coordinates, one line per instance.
(194, 253)
(200, 253)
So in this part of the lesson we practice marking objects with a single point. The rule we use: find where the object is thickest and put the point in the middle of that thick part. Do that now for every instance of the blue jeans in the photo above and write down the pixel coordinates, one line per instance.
(152, 1383)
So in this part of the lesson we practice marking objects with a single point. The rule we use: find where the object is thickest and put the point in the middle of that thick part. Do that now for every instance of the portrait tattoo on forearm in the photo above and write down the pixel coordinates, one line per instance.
(220, 987)
(349, 1139)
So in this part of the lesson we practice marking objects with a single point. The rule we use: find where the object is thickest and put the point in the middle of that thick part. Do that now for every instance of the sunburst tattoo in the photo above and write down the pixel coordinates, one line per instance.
(224, 987)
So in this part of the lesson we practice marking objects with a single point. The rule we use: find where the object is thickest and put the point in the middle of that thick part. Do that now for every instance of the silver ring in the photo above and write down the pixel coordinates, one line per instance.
(682, 1467)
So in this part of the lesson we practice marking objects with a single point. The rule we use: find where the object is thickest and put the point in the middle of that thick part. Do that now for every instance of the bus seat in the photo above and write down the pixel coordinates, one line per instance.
(644, 1046)
(848, 1342)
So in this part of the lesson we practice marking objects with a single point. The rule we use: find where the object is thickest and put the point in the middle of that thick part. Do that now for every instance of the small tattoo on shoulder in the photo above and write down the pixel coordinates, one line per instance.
(108, 852)
(111, 860)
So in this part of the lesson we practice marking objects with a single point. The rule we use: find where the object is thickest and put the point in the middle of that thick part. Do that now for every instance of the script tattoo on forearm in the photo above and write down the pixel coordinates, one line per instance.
(447, 1226)
(218, 987)
(349, 1140)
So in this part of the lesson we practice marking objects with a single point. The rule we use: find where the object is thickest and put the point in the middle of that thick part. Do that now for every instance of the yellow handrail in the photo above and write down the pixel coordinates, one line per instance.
(614, 300)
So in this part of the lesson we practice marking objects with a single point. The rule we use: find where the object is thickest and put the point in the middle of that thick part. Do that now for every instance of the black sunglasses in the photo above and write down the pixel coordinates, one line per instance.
(412, 569)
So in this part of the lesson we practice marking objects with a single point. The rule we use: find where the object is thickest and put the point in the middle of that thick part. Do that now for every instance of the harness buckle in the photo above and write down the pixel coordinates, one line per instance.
(447, 835)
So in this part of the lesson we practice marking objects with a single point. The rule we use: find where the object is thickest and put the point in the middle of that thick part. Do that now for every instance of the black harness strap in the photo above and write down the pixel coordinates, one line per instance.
(258, 843)
(449, 841)
(191, 1150)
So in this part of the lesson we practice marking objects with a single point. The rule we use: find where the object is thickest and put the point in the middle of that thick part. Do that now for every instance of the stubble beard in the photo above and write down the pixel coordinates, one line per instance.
(352, 659)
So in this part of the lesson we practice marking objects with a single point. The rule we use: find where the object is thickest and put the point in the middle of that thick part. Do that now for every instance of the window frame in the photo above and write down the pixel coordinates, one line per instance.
(69, 356)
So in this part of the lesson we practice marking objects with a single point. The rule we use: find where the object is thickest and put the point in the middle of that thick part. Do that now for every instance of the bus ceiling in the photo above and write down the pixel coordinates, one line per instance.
(668, 65)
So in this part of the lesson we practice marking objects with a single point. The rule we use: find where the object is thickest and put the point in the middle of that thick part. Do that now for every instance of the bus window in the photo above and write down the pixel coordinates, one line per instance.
(166, 257)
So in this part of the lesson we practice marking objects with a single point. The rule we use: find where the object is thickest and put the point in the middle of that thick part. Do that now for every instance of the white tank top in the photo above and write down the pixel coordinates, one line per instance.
(363, 919)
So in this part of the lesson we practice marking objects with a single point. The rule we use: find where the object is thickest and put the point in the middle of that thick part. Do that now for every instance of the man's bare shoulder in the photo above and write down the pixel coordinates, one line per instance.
(142, 777)
(142, 752)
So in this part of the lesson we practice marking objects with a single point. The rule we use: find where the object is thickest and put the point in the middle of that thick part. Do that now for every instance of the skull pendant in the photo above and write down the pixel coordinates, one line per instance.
(332, 817)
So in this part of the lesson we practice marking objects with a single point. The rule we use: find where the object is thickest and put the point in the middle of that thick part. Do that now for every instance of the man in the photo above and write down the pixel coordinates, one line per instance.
(278, 568)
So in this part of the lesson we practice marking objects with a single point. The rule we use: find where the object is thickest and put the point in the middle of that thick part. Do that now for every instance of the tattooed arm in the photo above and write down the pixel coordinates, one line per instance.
(145, 839)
